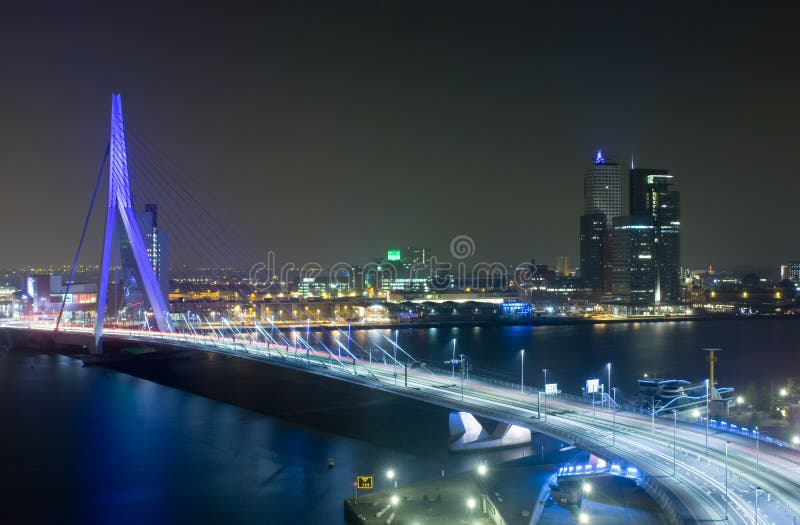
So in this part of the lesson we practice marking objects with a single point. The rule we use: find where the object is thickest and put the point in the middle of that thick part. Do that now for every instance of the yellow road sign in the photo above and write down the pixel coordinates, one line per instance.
(364, 482)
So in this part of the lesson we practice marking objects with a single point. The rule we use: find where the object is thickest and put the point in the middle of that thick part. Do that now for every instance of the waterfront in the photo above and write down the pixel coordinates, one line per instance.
(96, 445)
(91, 445)
(754, 350)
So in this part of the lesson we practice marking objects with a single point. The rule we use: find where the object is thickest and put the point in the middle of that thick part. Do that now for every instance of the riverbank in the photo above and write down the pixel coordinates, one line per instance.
(536, 321)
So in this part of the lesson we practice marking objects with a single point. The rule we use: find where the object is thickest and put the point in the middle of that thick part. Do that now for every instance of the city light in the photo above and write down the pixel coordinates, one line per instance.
(587, 488)
(783, 392)
(390, 473)
(394, 499)
(482, 469)
(696, 413)
(471, 503)
(795, 440)
(740, 400)
(583, 518)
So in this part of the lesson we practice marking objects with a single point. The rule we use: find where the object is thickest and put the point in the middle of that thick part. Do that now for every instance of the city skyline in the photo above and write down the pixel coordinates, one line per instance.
(488, 140)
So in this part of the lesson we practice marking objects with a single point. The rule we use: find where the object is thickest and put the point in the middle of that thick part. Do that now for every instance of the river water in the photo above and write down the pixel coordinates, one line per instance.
(761, 351)
(216, 440)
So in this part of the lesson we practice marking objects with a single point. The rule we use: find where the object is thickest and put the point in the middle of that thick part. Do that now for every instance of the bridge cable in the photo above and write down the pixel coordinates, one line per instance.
(83, 236)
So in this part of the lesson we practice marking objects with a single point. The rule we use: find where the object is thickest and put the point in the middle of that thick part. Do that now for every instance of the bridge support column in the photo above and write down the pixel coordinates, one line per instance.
(466, 433)
(120, 206)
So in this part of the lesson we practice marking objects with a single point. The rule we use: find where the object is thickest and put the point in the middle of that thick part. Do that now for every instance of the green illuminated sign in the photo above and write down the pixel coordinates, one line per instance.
(393, 255)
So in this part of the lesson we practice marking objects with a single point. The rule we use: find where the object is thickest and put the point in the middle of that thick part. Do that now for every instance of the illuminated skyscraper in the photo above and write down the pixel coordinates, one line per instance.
(651, 195)
(593, 237)
(602, 189)
(156, 243)
(646, 243)
(634, 272)
(562, 265)
(602, 197)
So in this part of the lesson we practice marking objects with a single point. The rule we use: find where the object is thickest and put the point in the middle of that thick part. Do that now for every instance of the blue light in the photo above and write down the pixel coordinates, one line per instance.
(599, 159)
(515, 309)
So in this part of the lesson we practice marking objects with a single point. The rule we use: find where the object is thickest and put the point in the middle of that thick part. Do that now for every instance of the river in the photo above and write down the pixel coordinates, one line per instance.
(216, 440)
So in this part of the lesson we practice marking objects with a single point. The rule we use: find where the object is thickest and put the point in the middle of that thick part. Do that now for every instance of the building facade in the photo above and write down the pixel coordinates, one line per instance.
(602, 189)
(651, 194)
(634, 268)
(593, 239)
(602, 198)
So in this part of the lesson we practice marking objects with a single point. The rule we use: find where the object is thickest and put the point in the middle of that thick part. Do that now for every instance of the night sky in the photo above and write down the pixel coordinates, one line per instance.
(329, 133)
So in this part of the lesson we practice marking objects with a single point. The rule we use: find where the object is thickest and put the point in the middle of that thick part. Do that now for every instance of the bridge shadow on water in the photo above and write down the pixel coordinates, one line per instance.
(303, 398)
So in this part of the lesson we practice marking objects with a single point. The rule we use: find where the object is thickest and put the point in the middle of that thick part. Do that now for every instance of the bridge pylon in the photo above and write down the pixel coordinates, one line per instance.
(120, 207)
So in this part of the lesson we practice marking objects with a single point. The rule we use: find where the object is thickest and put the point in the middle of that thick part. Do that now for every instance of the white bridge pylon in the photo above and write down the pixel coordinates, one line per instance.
(119, 204)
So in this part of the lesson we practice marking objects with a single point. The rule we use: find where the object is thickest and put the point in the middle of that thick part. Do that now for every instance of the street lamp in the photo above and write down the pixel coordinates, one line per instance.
(482, 470)
(390, 477)
(583, 518)
(609, 384)
(394, 500)
(545, 393)
(522, 372)
(674, 442)
(708, 386)
(471, 503)
(755, 431)
(726, 479)
(453, 360)
(795, 440)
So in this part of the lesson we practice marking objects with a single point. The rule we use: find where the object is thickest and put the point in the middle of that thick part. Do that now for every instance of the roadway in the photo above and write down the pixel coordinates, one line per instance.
(689, 482)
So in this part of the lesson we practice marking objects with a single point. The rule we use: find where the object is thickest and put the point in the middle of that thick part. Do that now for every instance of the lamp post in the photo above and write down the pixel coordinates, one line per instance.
(609, 385)
(614, 426)
(707, 388)
(522, 372)
(453, 360)
(545, 393)
(675, 442)
(463, 372)
(758, 434)
(653, 413)
(726, 479)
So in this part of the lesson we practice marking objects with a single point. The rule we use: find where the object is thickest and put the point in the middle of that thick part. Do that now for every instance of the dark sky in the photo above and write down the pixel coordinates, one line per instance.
(337, 130)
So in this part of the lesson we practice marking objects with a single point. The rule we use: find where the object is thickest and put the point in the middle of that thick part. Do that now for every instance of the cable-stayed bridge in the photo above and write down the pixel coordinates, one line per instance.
(693, 476)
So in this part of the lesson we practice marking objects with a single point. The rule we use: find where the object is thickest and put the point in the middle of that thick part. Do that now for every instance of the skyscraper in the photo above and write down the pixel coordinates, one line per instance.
(592, 239)
(651, 195)
(156, 242)
(602, 189)
(646, 247)
(634, 269)
(602, 197)
(562, 265)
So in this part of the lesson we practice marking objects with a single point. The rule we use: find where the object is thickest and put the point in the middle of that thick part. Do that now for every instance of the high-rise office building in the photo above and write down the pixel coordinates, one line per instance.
(634, 265)
(646, 243)
(602, 189)
(156, 241)
(792, 272)
(562, 266)
(651, 194)
(593, 238)
(602, 197)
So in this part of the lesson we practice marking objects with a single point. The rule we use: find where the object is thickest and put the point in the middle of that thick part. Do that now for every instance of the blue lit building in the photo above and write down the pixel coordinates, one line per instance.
(515, 310)
(602, 197)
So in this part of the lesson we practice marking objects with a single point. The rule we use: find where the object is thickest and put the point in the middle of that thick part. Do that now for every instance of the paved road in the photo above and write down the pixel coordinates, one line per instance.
(697, 487)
